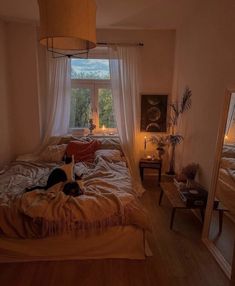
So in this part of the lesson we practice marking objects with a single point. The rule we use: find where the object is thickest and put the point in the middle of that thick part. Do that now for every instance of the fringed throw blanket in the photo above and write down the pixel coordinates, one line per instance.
(109, 200)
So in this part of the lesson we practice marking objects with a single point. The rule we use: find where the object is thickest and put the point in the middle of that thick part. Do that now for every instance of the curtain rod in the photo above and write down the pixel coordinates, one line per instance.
(120, 44)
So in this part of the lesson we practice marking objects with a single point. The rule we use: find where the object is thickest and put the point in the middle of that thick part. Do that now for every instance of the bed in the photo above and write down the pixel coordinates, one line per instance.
(49, 225)
(225, 191)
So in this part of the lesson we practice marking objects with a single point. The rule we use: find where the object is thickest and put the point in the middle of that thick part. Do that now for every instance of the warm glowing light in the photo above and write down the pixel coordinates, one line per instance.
(145, 142)
(226, 137)
(103, 128)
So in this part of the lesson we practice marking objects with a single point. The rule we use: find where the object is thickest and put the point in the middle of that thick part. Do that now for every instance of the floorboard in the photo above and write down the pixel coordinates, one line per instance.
(179, 258)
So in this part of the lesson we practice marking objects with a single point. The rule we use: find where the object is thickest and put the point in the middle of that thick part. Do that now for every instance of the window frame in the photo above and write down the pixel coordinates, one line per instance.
(96, 53)
(94, 85)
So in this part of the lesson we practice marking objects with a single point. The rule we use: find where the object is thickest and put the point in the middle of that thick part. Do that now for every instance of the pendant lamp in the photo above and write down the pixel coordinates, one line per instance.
(68, 27)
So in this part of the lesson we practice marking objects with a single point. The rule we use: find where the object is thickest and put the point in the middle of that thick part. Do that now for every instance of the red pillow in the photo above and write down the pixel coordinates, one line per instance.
(82, 151)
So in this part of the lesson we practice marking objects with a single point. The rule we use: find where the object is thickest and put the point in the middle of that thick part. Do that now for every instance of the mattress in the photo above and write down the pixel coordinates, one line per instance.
(112, 243)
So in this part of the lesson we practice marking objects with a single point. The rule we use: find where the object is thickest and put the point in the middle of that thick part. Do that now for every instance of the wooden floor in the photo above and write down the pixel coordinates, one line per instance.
(180, 258)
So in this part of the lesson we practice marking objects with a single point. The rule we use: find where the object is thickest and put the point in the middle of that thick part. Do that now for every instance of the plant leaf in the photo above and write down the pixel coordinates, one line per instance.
(176, 112)
(186, 101)
(175, 139)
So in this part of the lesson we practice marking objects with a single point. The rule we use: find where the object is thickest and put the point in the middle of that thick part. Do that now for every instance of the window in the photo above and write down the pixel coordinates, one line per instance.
(91, 94)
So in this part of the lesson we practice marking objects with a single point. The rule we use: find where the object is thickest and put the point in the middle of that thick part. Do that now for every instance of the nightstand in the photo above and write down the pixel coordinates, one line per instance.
(150, 164)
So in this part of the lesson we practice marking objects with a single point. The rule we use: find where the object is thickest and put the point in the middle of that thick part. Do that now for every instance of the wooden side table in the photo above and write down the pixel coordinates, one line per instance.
(150, 164)
(170, 190)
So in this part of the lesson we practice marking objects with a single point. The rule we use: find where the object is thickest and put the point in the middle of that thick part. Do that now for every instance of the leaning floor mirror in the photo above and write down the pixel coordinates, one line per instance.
(219, 227)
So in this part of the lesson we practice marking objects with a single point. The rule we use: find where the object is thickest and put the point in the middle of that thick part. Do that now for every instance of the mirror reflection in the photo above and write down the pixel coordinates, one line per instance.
(222, 228)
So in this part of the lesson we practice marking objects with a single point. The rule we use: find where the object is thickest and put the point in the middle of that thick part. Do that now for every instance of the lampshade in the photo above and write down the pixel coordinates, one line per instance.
(68, 25)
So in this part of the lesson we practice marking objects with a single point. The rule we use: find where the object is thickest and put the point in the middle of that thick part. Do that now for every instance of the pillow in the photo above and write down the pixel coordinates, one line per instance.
(65, 139)
(110, 143)
(69, 138)
(53, 153)
(109, 154)
(82, 151)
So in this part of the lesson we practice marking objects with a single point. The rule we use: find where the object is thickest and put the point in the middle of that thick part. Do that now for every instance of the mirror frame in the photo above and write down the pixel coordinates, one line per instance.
(226, 267)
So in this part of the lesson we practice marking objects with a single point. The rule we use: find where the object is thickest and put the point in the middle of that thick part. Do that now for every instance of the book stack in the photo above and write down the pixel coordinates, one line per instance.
(194, 196)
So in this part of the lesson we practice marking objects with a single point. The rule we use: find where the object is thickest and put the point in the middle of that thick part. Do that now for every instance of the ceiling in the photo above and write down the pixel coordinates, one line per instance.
(113, 14)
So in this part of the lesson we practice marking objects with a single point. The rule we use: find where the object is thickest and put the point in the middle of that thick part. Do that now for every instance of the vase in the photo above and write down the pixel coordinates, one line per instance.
(91, 126)
(160, 152)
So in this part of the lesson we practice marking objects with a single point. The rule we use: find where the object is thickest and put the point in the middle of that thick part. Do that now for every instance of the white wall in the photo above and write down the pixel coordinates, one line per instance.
(157, 55)
(205, 61)
(23, 86)
(5, 146)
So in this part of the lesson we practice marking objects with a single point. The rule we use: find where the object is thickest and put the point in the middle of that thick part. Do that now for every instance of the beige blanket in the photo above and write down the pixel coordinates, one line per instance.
(109, 200)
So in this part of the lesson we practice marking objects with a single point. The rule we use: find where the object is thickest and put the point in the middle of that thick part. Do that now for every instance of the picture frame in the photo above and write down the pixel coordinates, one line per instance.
(154, 112)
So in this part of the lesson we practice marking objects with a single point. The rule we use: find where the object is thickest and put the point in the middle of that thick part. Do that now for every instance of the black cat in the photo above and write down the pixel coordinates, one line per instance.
(56, 176)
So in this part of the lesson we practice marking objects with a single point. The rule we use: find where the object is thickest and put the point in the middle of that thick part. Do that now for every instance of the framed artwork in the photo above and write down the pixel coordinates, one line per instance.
(153, 113)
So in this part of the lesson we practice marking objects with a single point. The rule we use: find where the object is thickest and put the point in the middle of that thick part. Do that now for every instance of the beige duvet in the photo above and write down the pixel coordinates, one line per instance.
(109, 200)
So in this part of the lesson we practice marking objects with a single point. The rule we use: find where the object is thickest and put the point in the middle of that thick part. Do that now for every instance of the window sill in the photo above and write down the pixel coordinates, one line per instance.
(102, 135)
(112, 132)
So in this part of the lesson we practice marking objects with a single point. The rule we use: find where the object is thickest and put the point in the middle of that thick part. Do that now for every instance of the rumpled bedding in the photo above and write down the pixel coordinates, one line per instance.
(227, 171)
(225, 190)
(108, 200)
(19, 175)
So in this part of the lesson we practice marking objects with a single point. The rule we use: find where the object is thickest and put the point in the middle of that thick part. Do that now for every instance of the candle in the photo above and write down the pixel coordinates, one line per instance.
(103, 128)
(145, 142)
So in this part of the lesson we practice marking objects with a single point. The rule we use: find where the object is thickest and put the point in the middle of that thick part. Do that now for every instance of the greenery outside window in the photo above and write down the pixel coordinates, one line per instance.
(91, 94)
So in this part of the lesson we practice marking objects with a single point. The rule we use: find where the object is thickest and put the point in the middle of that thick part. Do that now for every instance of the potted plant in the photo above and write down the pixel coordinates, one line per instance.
(160, 142)
(177, 109)
(190, 172)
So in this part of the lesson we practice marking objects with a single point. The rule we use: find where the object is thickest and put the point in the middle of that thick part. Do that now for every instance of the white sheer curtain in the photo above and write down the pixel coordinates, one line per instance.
(54, 101)
(126, 99)
(58, 97)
